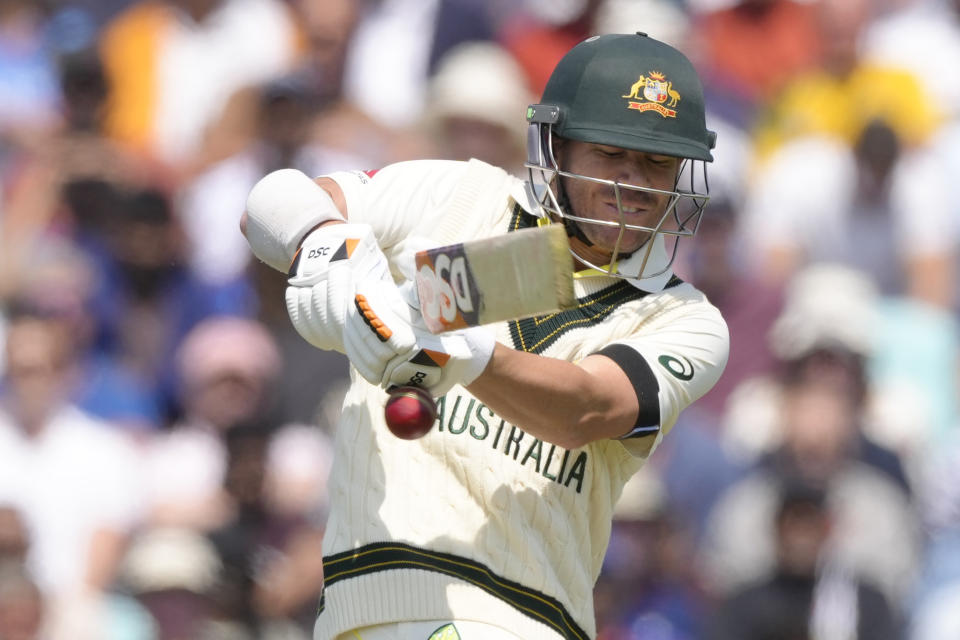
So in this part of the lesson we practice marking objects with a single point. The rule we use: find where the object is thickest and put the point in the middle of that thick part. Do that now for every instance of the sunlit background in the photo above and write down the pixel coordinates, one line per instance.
(165, 434)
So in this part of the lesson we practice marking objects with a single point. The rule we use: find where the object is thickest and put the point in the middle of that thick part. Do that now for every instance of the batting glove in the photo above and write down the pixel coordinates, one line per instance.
(439, 362)
(378, 328)
(323, 279)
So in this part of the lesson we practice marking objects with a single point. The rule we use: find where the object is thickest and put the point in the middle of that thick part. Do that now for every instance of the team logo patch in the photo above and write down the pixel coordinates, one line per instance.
(653, 92)
(682, 369)
(446, 632)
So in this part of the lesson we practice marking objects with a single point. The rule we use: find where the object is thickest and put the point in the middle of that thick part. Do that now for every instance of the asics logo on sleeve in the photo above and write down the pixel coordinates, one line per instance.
(682, 369)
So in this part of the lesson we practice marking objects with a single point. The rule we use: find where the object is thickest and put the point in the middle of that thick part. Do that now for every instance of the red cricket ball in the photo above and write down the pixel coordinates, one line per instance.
(410, 412)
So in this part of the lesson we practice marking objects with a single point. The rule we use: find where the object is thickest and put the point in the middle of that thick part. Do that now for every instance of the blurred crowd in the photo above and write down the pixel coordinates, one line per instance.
(165, 434)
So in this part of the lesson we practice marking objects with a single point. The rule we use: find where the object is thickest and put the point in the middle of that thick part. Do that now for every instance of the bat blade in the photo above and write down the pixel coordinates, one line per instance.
(507, 277)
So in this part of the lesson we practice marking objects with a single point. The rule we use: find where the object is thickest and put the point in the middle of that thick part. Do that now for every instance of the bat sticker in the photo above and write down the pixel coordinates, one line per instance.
(449, 298)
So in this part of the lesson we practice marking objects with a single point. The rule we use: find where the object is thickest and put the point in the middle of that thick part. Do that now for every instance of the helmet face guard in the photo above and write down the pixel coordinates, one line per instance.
(680, 218)
(635, 93)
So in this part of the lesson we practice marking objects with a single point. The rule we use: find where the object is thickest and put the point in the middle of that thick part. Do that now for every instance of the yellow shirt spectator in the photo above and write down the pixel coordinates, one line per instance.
(823, 103)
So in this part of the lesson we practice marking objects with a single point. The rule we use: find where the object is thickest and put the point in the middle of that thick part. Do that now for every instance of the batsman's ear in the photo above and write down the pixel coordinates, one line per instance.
(243, 224)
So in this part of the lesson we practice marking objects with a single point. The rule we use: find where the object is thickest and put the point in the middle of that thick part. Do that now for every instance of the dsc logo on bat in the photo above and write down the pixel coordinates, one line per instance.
(447, 290)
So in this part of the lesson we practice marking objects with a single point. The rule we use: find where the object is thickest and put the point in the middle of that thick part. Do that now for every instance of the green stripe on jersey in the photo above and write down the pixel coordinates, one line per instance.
(536, 334)
(387, 556)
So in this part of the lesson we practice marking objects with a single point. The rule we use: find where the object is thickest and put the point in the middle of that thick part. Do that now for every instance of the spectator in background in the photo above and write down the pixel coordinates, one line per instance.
(808, 595)
(907, 351)
(915, 375)
(149, 297)
(391, 89)
(542, 31)
(58, 187)
(647, 586)
(936, 616)
(52, 455)
(286, 115)
(820, 411)
(341, 128)
(62, 282)
(845, 92)
(328, 28)
(300, 120)
(924, 38)
(28, 75)
(272, 577)
(699, 463)
(173, 65)
(878, 206)
(462, 21)
(226, 367)
(62, 197)
(473, 103)
(747, 50)
(750, 304)
(935, 602)
(96, 13)
(174, 573)
(859, 131)
(222, 259)
(538, 32)
(838, 335)
(384, 97)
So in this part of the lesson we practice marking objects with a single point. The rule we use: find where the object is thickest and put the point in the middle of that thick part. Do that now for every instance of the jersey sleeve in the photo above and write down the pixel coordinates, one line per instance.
(670, 369)
(400, 200)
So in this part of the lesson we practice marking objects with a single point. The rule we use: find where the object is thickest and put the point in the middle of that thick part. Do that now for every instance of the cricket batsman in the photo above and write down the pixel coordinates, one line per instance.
(493, 526)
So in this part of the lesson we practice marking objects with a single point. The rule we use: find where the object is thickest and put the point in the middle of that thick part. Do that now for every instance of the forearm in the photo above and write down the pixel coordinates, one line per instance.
(558, 401)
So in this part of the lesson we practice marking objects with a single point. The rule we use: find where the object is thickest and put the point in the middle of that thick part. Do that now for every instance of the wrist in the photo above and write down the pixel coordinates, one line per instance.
(337, 245)
(317, 227)
(482, 343)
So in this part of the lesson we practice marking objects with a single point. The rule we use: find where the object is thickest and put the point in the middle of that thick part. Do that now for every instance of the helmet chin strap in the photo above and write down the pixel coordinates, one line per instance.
(572, 228)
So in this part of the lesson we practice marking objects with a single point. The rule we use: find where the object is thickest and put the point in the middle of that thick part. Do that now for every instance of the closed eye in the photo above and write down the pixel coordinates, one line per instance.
(610, 153)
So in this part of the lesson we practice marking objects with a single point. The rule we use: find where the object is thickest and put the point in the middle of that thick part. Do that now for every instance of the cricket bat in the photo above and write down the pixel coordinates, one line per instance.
(506, 277)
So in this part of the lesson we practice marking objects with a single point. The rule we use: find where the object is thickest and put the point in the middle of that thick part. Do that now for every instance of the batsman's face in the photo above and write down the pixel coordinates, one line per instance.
(598, 201)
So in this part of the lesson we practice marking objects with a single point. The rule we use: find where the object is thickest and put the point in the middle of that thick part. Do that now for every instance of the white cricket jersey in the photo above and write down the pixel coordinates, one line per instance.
(479, 520)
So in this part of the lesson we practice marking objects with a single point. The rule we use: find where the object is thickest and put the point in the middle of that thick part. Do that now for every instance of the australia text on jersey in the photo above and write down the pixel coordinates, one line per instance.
(468, 416)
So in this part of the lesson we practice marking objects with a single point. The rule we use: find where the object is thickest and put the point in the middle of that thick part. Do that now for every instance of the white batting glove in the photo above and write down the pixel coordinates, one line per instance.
(378, 328)
(439, 362)
(323, 279)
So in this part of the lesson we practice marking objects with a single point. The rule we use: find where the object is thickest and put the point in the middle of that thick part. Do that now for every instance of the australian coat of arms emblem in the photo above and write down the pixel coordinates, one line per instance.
(650, 92)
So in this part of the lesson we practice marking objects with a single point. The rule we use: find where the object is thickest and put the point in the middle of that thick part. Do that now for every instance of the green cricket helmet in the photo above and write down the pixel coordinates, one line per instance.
(633, 92)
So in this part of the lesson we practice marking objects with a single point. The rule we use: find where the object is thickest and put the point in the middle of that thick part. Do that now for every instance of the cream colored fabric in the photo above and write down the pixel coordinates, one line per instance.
(431, 630)
(477, 491)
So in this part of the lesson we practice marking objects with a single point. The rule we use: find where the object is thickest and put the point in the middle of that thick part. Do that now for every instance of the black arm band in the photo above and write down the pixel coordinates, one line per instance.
(645, 385)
